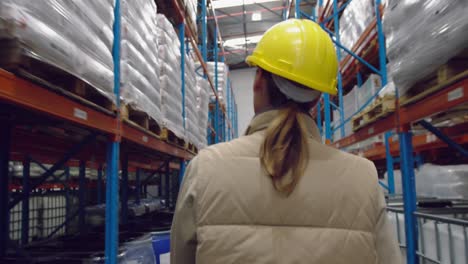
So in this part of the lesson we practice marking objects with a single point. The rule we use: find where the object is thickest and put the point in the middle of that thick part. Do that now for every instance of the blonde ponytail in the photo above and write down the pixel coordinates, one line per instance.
(284, 152)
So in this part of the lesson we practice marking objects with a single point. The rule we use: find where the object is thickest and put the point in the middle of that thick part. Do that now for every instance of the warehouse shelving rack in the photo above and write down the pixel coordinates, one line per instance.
(226, 130)
(369, 54)
(42, 126)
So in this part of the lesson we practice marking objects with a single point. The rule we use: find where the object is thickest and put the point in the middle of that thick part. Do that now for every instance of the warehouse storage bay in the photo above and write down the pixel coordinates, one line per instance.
(104, 104)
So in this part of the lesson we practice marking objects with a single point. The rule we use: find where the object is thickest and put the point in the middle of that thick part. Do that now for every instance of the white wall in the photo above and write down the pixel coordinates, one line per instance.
(242, 84)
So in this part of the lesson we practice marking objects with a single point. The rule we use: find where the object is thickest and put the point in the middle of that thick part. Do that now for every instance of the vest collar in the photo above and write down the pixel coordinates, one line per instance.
(262, 121)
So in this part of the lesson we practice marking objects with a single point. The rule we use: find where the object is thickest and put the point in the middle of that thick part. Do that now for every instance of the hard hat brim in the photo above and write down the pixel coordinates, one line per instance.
(255, 61)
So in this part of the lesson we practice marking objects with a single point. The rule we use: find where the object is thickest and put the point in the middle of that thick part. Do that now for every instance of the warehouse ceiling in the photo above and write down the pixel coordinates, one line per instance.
(243, 22)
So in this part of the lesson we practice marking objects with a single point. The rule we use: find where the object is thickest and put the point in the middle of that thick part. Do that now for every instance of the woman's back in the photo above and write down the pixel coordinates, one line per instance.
(233, 214)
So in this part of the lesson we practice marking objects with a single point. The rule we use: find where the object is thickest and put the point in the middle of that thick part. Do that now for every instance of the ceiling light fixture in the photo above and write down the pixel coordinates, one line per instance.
(233, 3)
(257, 16)
(237, 42)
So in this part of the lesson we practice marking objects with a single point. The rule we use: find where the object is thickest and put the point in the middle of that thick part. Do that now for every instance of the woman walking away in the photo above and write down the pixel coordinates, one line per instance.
(278, 195)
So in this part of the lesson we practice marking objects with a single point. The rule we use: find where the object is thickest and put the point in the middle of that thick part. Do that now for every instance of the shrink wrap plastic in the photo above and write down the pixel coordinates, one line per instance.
(443, 182)
(356, 17)
(368, 89)
(191, 7)
(48, 31)
(191, 112)
(170, 77)
(140, 65)
(434, 181)
(421, 36)
(203, 88)
(222, 77)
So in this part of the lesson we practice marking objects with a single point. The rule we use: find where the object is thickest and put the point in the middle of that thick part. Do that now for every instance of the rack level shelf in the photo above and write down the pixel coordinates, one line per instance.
(23, 93)
(452, 96)
(420, 143)
(27, 95)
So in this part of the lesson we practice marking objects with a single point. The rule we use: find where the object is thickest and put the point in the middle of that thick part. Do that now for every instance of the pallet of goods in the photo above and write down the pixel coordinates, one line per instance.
(191, 113)
(356, 18)
(221, 78)
(191, 8)
(448, 73)
(425, 43)
(171, 82)
(203, 98)
(380, 108)
(140, 66)
(39, 42)
(381, 105)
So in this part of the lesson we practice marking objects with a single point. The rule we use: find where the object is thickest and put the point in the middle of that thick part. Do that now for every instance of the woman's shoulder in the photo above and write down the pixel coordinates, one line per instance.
(330, 153)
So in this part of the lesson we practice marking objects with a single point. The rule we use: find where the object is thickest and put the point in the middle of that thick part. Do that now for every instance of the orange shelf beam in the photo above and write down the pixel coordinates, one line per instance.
(451, 96)
(420, 143)
(152, 142)
(20, 92)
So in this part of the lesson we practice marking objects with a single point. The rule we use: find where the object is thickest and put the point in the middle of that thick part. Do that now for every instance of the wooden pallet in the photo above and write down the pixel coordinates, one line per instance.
(454, 70)
(191, 147)
(381, 108)
(140, 119)
(14, 59)
(169, 136)
(357, 121)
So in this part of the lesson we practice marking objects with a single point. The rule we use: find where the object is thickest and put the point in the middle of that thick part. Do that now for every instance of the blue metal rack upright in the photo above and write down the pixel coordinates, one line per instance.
(113, 150)
(221, 119)
(183, 53)
(222, 116)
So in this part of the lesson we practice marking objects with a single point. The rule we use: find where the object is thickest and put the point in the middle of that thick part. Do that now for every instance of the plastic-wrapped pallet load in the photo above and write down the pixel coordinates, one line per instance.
(355, 19)
(203, 88)
(48, 32)
(389, 89)
(222, 78)
(191, 114)
(443, 182)
(171, 81)
(191, 7)
(334, 124)
(421, 36)
(349, 108)
(368, 89)
(140, 66)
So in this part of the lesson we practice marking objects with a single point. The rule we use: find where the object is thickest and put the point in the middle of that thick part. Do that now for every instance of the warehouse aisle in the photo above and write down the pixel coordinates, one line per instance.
(104, 105)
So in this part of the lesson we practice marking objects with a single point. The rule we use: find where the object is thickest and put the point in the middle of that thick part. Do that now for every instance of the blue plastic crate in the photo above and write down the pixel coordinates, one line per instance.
(162, 246)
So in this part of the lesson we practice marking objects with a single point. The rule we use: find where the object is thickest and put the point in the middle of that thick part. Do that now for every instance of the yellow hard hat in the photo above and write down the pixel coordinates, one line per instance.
(301, 51)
